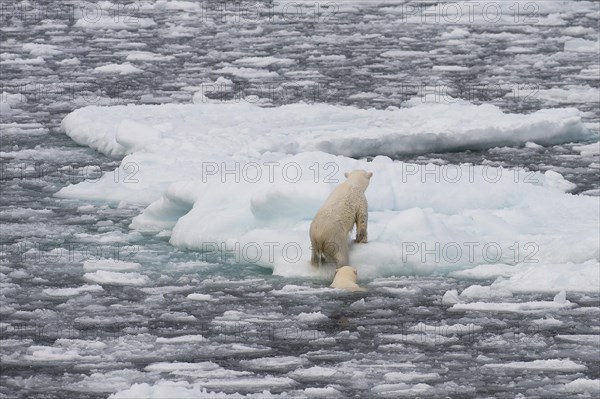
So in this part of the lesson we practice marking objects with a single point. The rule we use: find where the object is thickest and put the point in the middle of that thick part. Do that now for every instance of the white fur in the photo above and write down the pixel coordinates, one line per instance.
(345, 278)
(346, 206)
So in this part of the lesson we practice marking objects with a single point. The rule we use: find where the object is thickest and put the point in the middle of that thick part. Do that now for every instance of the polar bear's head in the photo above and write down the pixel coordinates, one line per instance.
(359, 177)
(347, 273)
(345, 278)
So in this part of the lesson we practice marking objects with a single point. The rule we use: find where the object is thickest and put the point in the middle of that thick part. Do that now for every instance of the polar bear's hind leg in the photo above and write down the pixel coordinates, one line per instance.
(317, 254)
(341, 255)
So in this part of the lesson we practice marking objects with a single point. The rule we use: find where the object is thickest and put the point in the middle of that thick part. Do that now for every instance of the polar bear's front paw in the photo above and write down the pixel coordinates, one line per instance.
(362, 240)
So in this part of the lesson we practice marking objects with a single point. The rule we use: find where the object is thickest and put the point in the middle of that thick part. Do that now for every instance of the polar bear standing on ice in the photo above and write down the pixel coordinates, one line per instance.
(345, 206)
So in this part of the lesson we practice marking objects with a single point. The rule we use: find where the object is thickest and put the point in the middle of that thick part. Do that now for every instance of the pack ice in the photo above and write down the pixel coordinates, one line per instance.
(246, 181)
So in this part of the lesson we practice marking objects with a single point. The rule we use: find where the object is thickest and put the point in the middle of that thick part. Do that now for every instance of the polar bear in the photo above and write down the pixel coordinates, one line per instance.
(345, 206)
(345, 278)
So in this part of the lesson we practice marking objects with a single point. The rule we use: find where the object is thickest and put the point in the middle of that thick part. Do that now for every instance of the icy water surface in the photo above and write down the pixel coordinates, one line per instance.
(74, 324)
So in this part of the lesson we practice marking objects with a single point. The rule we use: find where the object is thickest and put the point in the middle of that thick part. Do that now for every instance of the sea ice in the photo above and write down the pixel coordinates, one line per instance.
(122, 69)
(115, 278)
(243, 182)
(550, 364)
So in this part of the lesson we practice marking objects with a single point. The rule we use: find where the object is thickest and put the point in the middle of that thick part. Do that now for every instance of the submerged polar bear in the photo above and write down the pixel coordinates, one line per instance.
(345, 206)
(345, 278)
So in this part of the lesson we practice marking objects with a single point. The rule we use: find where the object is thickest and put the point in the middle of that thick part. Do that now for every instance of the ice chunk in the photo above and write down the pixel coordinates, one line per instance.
(247, 73)
(327, 392)
(109, 382)
(582, 46)
(456, 34)
(311, 317)
(115, 278)
(177, 317)
(312, 373)
(589, 149)
(276, 363)
(561, 297)
(583, 385)
(484, 272)
(107, 21)
(583, 277)
(200, 297)
(261, 62)
(450, 297)
(168, 367)
(165, 389)
(516, 307)
(228, 180)
(110, 264)
(147, 56)
(478, 292)
(410, 376)
(557, 181)
(423, 127)
(183, 339)
(450, 68)
(570, 94)
(45, 354)
(593, 340)
(550, 364)
(122, 69)
(62, 292)
(38, 49)
(401, 389)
